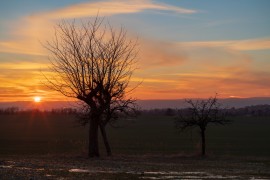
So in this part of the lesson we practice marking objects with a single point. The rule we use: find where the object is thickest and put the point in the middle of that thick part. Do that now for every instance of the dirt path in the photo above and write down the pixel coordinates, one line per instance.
(133, 167)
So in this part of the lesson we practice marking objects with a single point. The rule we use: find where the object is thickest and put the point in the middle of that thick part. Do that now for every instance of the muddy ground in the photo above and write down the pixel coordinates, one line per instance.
(133, 167)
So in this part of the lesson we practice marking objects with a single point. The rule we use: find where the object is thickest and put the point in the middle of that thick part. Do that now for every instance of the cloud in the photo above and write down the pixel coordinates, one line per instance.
(111, 7)
(38, 27)
(241, 83)
(205, 71)
(241, 45)
(23, 66)
(155, 54)
(168, 70)
(182, 71)
(23, 83)
(22, 47)
(248, 79)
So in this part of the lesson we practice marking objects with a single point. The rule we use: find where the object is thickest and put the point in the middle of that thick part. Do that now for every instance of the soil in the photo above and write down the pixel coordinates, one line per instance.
(147, 166)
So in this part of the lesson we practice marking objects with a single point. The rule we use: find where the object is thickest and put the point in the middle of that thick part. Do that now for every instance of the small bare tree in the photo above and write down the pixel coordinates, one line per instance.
(199, 114)
(93, 63)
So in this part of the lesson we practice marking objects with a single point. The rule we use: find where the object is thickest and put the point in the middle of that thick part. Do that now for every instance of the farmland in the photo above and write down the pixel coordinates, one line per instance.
(150, 142)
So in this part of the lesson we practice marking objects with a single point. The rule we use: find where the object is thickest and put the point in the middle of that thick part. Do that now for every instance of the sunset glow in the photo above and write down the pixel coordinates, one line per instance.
(37, 99)
(188, 49)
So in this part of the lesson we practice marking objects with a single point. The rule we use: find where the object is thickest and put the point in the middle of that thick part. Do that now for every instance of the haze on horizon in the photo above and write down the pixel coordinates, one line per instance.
(188, 48)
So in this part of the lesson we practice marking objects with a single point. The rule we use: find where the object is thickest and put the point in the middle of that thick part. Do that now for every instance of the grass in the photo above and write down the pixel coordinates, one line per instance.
(43, 146)
(51, 134)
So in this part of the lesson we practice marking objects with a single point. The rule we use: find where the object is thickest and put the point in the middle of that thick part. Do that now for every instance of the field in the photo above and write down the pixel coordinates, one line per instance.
(49, 146)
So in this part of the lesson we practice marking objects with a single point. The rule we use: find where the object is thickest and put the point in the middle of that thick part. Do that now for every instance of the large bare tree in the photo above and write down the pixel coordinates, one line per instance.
(93, 62)
(199, 114)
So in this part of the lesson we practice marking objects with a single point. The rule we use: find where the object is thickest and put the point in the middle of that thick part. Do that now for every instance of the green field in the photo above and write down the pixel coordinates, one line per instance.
(40, 133)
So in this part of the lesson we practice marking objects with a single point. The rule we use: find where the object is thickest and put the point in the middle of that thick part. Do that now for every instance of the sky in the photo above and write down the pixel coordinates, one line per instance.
(188, 48)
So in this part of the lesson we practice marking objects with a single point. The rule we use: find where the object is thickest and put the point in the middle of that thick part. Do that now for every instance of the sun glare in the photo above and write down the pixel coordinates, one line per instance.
(37, 99)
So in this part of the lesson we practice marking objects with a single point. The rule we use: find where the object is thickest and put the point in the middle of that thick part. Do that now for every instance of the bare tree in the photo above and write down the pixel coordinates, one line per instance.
(93, 63)
(116, 108)
(199, 114)
(119, 108)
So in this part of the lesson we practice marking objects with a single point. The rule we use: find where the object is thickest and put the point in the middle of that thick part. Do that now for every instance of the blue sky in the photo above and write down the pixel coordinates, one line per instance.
(216, 19)
(189, 48)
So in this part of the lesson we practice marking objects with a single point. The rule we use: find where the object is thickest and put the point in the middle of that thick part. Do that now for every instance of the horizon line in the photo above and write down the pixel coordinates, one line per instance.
(261, 97)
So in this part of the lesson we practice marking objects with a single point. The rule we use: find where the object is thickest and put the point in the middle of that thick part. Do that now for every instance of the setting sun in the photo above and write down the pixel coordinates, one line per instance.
(37, 99)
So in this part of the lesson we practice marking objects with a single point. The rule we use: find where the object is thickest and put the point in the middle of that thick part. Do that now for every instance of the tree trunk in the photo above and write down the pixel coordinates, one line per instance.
(203, 141)
(105, 139)
(93, 150)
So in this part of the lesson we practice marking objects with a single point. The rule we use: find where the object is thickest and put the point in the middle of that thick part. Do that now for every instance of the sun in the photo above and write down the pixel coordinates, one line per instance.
(37, 99)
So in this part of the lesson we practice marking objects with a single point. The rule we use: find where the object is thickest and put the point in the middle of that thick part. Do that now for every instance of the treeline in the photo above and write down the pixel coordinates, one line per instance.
(256, 110)
(16, 110)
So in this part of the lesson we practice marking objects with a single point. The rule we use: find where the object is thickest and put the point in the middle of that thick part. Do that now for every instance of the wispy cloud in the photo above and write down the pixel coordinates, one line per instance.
(241, 45)
(111, 7)
(22, 47)
(23, 66)
(38, 26)
(160, 54)
(168, 70)
(241, 83)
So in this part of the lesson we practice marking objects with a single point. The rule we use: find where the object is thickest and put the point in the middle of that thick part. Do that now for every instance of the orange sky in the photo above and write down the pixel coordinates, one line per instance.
(184, 52)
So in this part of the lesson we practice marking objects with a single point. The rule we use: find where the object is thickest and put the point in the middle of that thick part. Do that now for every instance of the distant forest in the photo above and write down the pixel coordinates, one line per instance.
(255, 110)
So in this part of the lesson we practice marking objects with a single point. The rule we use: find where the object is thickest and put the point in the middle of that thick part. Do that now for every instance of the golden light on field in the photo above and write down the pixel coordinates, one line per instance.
(37, 99)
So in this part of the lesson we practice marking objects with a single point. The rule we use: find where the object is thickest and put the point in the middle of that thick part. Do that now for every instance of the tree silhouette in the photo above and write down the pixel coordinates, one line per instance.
(199, 114)
(93, 62)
